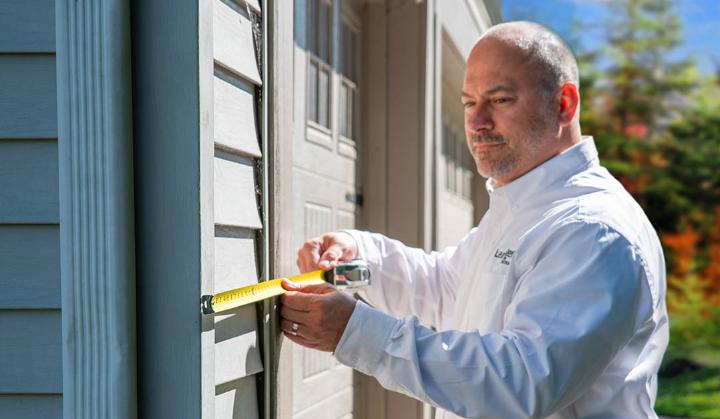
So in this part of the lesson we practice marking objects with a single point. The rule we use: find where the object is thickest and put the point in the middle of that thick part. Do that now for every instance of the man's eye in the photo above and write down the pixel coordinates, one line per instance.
(502, 100)
(468, 104)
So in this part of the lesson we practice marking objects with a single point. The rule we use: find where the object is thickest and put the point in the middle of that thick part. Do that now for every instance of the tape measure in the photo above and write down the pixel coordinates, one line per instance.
(349, 275)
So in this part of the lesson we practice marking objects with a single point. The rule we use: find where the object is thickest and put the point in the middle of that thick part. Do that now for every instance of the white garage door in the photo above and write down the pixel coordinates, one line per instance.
(325, 177)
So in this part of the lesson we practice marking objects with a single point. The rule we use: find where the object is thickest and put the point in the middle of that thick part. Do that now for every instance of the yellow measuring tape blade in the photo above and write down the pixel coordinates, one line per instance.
(252, 293)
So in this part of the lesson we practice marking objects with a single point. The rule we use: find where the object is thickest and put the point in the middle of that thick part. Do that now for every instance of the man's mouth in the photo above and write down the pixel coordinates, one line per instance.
(487, 141)
(486, 146)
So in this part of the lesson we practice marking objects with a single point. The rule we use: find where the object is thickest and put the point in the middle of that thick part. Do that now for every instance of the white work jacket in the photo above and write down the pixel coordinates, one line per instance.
(553, 306)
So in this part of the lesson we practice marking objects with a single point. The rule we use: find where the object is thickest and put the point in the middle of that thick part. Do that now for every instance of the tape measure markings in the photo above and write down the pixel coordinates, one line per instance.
(252, 293)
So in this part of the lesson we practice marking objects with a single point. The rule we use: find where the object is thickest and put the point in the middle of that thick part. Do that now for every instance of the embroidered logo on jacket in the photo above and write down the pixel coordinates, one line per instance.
(504, 255)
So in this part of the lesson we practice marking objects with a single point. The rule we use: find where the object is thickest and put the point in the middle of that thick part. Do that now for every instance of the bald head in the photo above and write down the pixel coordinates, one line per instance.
(521, 100)
(551, 58)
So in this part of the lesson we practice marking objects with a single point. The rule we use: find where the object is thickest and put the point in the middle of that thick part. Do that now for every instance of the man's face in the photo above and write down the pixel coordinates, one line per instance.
(510, 125)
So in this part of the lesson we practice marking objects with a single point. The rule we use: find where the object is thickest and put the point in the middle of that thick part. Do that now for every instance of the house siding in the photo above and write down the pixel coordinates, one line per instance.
(198, 212)
(30, 316)
(236, 81)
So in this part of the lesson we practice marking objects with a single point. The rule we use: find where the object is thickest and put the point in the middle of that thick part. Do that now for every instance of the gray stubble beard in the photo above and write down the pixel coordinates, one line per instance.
(510, 161)
(497, 167)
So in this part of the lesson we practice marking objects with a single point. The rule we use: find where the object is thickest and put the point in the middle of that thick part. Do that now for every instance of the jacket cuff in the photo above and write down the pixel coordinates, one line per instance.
(363, 342)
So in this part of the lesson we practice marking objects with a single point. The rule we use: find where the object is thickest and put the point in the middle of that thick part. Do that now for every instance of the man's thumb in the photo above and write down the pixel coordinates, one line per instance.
(306, 288)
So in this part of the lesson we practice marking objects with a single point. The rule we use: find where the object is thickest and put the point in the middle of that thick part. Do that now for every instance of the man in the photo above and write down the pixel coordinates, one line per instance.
(553, 306)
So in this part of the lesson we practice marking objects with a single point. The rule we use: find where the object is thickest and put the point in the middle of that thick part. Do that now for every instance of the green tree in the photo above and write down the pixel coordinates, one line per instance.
(645, 83)
(632, 92)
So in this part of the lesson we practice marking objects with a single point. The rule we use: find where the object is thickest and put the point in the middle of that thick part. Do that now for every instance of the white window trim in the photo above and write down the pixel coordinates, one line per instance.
(330, 137)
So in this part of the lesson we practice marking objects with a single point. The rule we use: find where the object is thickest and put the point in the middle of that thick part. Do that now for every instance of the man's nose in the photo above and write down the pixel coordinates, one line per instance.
(479, 119)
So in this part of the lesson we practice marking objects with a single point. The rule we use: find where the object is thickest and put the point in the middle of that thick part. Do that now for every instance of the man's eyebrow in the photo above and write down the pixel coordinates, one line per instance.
(492, 90)
(499, 88)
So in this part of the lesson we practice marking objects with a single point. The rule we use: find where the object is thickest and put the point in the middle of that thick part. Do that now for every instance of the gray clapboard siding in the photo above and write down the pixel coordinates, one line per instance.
(27, 406)
(235, 262)
(29, 266)
(234, 110)
(30, 352)
(237, 356)
(237, 400)
(27, 26)
(235, 198)
(233, 43)
(28, 180)
(27, 103)
(236, 345)
(236, 350)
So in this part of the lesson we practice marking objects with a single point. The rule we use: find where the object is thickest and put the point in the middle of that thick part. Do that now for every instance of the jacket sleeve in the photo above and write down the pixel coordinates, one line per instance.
(571, 314)
(408, 280)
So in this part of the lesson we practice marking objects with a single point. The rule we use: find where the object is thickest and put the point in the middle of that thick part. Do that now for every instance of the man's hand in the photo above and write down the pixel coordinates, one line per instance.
(320, 313)
(326, 251)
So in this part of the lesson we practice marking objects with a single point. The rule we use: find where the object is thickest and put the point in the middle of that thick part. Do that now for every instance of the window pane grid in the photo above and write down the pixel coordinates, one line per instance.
(312, 91)
(459, 164)
(343, 110)
(323, 33)
(324, 97)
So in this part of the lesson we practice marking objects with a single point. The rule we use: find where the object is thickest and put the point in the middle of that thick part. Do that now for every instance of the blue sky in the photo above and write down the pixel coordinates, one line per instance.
(700, 22)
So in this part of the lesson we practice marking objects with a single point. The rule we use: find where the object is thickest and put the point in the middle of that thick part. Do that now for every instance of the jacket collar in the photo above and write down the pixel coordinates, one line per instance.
(557, 169)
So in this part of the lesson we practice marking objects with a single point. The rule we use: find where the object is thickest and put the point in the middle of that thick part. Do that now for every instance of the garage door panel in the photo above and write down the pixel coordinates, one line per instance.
(337, 406)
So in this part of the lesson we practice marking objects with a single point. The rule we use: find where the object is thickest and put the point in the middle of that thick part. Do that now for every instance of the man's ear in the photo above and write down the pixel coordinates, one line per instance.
(569, 100)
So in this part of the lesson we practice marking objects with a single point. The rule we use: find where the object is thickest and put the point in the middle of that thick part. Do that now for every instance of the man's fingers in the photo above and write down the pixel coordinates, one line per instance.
(307, 288)
(295, 300)
(309, 255)
(293, 315)
(299, 300)
(287, 326)
(331, 256)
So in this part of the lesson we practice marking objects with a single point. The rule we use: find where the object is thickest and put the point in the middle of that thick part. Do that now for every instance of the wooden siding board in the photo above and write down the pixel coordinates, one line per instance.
(31, 406)
(237, 400)
(28, 103)
(30, 351)
(237, 353)
(235, 197)
(233, 42)
(235, 120)
(27, 26)
(28, 180)
(29, 266)
(236, 340)
(235, 263)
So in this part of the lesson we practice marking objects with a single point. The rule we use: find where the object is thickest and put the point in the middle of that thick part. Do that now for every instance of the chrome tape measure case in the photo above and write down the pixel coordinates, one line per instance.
(353, 274)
